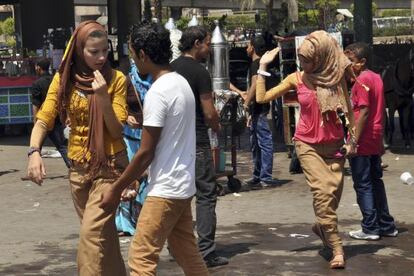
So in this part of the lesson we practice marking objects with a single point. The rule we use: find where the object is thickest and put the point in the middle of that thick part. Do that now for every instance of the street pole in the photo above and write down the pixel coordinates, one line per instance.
(363, 21)
(412, 16)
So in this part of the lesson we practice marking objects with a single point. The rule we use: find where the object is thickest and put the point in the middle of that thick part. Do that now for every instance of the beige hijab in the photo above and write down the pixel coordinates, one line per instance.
(328, 73)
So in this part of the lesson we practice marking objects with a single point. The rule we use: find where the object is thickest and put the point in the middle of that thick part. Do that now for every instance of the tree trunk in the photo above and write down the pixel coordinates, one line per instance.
(269, 13)
(139, 8)
(177, 12)
(158, 9)
(147, 10)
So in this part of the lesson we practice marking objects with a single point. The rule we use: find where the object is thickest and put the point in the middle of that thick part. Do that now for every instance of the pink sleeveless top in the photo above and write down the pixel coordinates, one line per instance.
(310, 128)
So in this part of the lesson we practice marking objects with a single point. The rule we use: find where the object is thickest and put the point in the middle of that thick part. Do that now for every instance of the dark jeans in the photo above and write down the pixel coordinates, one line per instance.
(206, 199)
(261, 147)
(57, 138)
(371, 196)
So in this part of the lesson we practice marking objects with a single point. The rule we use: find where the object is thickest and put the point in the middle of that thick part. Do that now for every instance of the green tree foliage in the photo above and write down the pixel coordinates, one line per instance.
(396, 12)
(8, 26)
(327, 10)
(7, 29)
(182, 23)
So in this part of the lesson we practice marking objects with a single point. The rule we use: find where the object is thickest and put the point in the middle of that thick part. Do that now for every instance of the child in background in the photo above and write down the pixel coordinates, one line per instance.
(368, 105)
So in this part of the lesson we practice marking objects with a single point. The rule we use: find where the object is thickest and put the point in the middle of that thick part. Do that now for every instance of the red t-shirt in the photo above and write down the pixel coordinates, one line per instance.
(370, 142)
(310, 128)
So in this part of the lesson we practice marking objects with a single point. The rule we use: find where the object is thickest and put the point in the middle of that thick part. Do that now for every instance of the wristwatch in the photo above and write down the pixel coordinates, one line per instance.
(33, 150)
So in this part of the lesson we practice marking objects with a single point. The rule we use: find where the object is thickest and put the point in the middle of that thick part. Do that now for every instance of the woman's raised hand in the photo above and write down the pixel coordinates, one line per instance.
(269, 56)
(99, 85)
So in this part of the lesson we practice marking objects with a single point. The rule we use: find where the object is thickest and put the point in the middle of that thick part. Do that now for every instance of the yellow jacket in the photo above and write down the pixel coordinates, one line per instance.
(79, 112)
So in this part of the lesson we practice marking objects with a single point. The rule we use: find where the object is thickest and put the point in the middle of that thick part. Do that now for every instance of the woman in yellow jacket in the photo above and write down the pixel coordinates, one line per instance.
(92, 96)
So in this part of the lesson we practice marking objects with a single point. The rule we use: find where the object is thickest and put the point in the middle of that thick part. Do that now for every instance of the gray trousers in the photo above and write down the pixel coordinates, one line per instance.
(206, 199)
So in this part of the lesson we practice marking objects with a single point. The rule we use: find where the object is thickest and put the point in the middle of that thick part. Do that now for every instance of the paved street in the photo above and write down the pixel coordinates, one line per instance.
(39, 228)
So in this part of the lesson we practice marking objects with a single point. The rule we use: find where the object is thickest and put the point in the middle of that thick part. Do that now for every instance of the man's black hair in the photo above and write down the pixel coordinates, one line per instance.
(154, 40)
(44, 64)
(360, 50)
(190, 35)
(259, 44)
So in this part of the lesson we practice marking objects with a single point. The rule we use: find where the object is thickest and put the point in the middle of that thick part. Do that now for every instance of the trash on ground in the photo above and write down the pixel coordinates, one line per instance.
(36, 204)
(236, 194)
(272, 228)
(25, 211)
(295, 235)
(51, 154)
(397, 158)
(407, 178)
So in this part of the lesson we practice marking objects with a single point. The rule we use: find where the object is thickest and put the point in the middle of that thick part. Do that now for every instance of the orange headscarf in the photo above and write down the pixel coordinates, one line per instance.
(74, 72)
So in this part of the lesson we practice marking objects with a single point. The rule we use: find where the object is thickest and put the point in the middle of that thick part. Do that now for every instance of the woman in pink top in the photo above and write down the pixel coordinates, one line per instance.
(319, 136)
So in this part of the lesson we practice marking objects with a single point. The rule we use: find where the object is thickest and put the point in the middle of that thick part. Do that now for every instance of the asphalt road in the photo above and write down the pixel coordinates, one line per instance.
(39, 228)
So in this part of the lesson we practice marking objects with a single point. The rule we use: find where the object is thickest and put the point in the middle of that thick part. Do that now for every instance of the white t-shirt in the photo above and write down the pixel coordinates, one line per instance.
(170, 104)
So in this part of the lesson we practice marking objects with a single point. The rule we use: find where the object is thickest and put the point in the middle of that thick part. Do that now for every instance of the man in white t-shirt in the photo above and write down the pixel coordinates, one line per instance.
(168, 148)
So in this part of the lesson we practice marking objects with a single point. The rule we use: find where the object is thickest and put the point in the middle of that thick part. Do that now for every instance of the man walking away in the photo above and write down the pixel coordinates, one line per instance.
(195, 46)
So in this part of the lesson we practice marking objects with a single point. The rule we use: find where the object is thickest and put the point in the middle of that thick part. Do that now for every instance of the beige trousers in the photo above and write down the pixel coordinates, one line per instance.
(99, 252)
(324, 175)
(164, 219)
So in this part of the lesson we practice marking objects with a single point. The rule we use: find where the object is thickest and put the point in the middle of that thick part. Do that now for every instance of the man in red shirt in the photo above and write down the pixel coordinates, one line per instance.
(369, 105)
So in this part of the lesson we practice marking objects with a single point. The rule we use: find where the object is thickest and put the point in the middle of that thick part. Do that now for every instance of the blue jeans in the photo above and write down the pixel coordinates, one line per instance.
(261, 147)
(371, 196)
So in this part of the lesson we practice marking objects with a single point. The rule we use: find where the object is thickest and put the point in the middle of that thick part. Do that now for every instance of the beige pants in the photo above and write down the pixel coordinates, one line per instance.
(161, 219)
(324, 175)
(99, 253)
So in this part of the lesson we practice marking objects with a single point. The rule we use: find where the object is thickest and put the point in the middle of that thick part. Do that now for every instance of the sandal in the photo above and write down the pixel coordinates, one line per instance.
(317, 229)
(338, 261)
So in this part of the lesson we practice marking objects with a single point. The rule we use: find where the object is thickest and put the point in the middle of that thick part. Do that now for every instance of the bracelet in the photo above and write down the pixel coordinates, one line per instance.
(263, 73)
(32, 150)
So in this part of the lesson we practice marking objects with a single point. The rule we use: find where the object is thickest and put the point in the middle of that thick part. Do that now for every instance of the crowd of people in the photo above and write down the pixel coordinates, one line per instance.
(139, 149)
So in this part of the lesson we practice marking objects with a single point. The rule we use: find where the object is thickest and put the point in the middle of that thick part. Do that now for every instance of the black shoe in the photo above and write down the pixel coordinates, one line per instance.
(253, 181)
(255, 186)
(270, 183)
(213, 260)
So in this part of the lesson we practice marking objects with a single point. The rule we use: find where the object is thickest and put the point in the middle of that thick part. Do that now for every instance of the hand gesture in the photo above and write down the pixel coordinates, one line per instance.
(99, 85)
(269, 56)
(132, 122)
(36, 169)
(349, 149)
(128, 194)
(109, 200)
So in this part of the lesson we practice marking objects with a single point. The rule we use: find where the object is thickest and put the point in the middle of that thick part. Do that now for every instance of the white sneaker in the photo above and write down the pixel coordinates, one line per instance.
(360, 235)
(392, 234)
